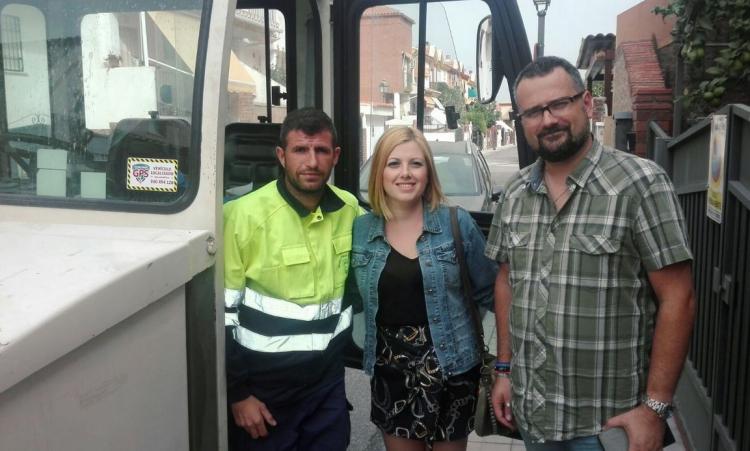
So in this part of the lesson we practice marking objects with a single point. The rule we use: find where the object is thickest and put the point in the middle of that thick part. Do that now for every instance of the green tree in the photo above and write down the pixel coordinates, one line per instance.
(278, 75)
(597, 88)
(714, 39)
(451, 96)
(481, 115)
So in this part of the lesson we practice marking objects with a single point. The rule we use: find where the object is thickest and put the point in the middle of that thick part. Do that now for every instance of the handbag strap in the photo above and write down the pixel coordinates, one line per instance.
(465, 280)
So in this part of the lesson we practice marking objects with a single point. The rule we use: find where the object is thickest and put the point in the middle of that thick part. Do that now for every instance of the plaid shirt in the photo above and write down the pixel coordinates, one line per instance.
(583, 311)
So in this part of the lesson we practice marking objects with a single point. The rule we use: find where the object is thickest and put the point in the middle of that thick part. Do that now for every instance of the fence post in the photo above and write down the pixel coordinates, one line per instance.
(662, 157)
(657, 142)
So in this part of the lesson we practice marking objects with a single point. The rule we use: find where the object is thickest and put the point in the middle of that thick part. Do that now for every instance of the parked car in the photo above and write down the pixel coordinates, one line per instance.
(463, 172)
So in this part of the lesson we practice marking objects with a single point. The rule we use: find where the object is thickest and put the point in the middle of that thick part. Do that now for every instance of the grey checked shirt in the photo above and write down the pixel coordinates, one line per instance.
(583, 311)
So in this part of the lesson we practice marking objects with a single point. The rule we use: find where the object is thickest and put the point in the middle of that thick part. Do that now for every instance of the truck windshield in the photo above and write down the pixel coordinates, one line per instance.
(97, 101)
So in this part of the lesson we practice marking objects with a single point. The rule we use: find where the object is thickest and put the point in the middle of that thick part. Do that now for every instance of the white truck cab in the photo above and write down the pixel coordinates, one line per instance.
(124, 125)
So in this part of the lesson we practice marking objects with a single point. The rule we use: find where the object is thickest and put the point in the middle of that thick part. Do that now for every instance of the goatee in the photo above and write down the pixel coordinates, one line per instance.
(569, 148)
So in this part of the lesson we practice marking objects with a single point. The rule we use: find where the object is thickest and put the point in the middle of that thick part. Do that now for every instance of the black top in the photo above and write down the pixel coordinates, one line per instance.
(401, 293)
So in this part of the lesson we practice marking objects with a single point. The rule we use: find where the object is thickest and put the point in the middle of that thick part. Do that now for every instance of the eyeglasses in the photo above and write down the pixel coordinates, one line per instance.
(555, 108)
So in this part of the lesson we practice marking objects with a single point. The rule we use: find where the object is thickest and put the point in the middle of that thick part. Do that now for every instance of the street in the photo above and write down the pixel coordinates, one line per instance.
(503, 163)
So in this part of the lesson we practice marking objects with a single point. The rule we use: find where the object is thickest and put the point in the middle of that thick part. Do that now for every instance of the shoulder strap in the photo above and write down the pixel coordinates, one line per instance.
(458, 242)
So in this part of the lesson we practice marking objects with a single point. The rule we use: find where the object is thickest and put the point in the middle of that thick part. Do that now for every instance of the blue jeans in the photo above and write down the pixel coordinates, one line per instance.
(590, 443)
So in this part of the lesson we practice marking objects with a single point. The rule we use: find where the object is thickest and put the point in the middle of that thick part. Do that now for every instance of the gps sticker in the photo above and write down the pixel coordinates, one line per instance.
(152, 174)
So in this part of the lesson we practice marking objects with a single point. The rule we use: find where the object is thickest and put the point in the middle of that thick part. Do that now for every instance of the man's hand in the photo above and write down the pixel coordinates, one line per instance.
(645, 430)
(501, 396)
(252, 416)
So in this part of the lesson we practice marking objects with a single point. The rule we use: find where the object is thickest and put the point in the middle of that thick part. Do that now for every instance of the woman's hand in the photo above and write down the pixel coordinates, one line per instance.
(501, 396)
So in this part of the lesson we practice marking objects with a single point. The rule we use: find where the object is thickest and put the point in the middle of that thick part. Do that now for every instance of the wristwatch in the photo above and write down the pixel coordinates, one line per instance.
(662, 409)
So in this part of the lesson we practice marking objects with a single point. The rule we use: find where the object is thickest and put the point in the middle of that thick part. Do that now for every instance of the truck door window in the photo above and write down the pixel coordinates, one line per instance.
(98, 103)
(389, 80)
(255, 55)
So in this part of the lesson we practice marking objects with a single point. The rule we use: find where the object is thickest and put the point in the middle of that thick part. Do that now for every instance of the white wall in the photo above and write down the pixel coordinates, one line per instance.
(112, 93)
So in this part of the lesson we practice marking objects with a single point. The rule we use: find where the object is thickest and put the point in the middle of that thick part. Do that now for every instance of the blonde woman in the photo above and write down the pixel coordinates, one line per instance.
(420, 347)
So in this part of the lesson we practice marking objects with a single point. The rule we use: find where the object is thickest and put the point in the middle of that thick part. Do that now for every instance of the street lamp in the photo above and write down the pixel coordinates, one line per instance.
(541, 11)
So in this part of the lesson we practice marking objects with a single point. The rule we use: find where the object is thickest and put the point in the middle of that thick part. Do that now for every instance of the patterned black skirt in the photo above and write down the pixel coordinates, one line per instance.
(411, 397)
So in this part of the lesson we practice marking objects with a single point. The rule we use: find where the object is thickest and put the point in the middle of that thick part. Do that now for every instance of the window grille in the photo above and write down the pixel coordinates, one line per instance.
(11, 41)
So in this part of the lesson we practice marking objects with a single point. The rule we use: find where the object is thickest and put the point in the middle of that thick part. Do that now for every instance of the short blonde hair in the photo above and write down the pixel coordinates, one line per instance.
(433, 193)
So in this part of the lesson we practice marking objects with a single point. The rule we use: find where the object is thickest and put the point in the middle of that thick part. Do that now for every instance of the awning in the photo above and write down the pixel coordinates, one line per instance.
(240, 78)
(247, 75)
(504, 125)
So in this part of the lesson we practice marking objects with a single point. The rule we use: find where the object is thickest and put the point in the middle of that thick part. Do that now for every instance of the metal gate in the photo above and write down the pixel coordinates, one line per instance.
(713, 396)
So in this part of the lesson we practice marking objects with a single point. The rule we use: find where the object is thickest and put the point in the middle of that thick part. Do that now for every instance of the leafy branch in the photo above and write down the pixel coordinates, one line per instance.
(715, 45)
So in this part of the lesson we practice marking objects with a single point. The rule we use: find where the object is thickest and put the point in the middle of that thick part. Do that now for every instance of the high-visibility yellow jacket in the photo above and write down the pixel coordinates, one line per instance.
(284, 274)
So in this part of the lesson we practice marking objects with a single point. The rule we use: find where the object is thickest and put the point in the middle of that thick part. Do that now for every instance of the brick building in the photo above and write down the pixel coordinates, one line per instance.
(643, 75)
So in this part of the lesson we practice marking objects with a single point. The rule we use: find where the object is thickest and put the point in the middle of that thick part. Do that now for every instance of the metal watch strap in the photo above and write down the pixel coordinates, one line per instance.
(660, 408)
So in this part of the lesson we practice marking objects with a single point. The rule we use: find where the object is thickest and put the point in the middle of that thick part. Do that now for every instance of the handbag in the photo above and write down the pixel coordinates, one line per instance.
(485, 422)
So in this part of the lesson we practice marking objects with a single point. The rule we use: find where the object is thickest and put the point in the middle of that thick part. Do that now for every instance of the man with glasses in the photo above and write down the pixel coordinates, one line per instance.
(594, 297)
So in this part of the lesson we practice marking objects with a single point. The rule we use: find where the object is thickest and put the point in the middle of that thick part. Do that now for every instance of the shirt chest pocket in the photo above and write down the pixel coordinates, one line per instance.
(448, 264)
(598, 256)
(296, 276)
(519, 256)
(359, 264)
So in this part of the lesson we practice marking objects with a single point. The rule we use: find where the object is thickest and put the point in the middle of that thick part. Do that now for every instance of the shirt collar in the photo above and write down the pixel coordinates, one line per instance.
(430, 223)
(580, 174)
(329, 202)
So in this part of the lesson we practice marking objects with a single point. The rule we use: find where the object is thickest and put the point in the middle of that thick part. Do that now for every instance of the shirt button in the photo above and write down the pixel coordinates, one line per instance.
(428, 263)
(442, 345)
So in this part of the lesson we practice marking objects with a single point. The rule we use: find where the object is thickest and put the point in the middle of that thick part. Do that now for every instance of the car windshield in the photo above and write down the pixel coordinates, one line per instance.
(457, 174)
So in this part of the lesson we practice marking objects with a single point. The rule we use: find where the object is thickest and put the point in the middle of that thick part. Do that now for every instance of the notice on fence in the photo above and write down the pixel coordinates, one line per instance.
(716, 173)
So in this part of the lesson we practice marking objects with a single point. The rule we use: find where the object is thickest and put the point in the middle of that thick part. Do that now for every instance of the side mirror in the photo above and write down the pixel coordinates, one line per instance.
(451, 117)
(277, 95)
(485, 77)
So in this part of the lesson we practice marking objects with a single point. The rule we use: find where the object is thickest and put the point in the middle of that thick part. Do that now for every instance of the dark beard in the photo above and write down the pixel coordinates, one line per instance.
(570, 147)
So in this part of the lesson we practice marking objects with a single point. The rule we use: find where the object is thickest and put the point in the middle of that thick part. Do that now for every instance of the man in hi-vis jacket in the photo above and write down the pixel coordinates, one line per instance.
(287, 248)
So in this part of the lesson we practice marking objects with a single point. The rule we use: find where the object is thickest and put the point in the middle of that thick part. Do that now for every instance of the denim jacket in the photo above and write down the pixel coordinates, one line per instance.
(450, 322)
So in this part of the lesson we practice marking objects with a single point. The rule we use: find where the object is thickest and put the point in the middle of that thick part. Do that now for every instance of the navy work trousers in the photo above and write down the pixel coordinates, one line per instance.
(320, 422)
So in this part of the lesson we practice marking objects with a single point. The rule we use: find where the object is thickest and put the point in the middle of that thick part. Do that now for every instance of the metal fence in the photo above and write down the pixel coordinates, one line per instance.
(713, 397)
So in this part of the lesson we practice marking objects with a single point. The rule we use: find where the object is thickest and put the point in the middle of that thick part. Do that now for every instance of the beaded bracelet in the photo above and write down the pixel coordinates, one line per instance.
(503, 367)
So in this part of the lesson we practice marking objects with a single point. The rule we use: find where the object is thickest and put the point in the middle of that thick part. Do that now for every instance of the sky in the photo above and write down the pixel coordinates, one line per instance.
(454, 24)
